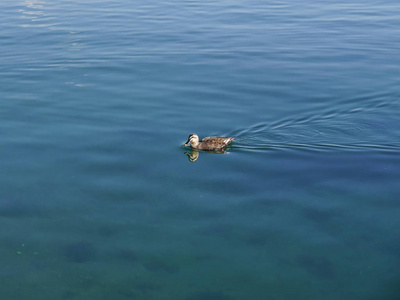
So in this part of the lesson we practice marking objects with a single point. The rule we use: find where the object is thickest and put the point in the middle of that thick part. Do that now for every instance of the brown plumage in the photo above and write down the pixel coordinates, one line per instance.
(208, 143)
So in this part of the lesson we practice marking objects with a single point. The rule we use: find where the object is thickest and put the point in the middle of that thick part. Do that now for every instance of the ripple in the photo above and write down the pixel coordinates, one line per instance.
(241, 144)
(363, 123)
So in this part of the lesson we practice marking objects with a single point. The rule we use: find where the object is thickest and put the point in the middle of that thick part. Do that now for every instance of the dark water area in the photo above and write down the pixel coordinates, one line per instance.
(99, 199)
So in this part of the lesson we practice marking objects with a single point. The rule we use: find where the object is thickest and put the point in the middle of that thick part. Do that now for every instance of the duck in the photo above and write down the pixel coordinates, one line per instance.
(208, 143)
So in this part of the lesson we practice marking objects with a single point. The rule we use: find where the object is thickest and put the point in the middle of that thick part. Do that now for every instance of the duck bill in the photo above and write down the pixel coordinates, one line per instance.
(187, 143)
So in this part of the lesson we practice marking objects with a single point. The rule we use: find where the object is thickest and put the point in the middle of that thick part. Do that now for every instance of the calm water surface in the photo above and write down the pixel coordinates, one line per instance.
(99, 199)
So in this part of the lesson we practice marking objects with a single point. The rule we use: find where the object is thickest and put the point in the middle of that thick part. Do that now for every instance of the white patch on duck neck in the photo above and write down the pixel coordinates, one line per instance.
(194, 142)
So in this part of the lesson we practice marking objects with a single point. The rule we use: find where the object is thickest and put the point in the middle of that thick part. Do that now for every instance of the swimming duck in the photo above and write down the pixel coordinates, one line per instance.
(208, 143)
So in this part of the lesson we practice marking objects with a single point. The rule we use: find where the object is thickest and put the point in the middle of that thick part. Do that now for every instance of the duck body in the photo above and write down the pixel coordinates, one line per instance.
(209, 143)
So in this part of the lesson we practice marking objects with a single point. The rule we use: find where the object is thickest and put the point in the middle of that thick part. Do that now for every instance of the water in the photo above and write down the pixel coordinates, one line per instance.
(98, 199)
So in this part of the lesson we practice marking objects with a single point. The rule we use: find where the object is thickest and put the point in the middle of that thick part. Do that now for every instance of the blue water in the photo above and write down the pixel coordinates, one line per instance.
(99, 199)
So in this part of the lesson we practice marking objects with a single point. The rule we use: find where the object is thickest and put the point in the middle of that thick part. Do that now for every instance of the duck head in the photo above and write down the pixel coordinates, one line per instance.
(192, 139)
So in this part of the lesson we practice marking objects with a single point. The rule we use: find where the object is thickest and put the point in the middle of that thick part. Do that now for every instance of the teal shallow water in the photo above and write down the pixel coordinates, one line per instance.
(98, 199)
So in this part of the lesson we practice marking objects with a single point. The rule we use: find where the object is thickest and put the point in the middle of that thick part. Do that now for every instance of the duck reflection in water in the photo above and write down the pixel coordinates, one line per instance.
(193, 155)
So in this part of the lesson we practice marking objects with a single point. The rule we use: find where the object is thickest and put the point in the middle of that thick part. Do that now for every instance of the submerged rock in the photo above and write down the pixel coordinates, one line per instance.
(80, 252)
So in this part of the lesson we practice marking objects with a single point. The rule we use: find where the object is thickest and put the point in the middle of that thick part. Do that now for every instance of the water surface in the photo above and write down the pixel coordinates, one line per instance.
(98, 199)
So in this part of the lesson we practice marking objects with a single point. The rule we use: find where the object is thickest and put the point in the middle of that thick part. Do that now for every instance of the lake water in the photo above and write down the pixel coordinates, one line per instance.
(99, 199)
